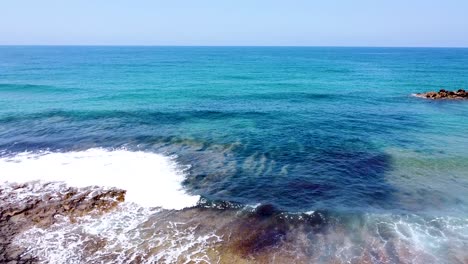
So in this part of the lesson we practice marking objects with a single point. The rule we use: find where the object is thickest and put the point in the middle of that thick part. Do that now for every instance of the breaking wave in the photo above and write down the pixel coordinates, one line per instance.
(151, 180)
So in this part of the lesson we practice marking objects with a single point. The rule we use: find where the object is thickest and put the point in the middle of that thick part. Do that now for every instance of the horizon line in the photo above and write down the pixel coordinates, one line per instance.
(233, 46)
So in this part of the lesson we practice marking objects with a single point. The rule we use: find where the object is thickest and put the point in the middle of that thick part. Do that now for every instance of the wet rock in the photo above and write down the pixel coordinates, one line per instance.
(37, 204)
(444, 94)
(317, 218)
(265, 210)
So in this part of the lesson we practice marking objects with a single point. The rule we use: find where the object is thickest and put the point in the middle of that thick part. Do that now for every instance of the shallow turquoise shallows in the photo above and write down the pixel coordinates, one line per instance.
(299, 128)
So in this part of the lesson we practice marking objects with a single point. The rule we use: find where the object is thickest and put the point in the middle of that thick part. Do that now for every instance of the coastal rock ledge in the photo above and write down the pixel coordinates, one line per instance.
(23, 206)
(444, 94)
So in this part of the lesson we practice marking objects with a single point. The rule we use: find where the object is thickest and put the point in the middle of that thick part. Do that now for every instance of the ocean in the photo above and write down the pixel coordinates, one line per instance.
(240, 154)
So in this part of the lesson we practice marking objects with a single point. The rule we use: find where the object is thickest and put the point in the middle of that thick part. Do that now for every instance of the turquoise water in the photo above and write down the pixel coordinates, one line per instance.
(300, 129)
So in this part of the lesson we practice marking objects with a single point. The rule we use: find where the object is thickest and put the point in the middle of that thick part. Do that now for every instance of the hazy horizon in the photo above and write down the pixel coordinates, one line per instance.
(228, 46)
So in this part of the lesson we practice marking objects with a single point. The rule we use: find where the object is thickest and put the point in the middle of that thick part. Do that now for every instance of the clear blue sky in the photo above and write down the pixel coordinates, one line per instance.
(235, 22)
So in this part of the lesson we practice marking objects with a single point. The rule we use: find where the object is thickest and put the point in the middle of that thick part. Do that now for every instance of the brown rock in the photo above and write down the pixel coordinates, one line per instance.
(21, 209)
(444, 94)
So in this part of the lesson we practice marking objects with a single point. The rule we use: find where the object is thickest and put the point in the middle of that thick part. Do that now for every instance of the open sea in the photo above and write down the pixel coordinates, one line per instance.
(242, 154)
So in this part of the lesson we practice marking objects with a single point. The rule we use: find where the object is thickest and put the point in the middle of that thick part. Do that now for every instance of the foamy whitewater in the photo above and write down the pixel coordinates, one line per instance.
(151, 180)
(129, 234)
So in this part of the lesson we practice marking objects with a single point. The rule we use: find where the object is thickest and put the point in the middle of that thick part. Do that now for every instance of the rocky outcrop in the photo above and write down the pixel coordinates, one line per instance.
(444, 94)
(23, 206)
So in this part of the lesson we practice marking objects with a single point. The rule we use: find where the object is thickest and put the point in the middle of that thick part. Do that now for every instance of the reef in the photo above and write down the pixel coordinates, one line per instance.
(444, 94)
(23, 206)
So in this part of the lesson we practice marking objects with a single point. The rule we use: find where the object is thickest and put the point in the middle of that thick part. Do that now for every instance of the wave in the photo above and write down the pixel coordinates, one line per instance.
(144, 117)
(151, 180)
(32, 88)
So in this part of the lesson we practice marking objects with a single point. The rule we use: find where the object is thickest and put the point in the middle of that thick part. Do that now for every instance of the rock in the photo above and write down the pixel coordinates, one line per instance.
(265, 210)
(431, 94)
(444, 94)
(21, 209)
(461, 93)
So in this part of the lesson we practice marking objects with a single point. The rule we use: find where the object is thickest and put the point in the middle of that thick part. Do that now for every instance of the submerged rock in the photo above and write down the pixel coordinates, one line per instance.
(444, 94)
(23, 206)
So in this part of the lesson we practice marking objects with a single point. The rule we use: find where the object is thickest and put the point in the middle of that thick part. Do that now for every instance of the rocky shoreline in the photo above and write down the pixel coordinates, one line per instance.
(22, 206)
(444, 94)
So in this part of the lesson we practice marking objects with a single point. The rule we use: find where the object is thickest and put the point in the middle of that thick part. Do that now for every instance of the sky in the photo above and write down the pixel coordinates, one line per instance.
(407, 23)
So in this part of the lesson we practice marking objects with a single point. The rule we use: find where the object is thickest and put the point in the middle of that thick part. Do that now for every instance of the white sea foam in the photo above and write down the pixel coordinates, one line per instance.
(151, 180)
(129, 234)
